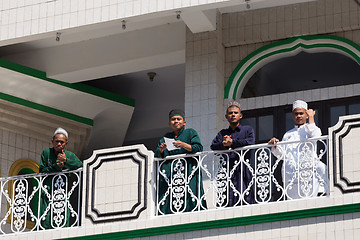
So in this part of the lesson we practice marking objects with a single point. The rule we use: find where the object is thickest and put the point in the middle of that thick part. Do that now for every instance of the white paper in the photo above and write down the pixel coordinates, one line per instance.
(170, 143)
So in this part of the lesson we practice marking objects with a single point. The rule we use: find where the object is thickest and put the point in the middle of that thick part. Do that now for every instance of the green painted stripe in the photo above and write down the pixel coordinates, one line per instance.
(77, 86)
(281, 43)
(47, 109)
(233, 222)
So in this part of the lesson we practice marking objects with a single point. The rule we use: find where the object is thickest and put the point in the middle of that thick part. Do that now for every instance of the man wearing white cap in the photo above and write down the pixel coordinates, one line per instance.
(313, 176)
(56, 159)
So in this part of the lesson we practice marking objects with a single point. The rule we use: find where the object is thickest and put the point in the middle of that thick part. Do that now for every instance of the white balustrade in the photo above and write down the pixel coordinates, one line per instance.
(36, 202)
(256, 174)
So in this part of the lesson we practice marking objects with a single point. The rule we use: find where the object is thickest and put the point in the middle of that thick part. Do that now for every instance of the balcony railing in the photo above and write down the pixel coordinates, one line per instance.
(37, 202)
(256, 174)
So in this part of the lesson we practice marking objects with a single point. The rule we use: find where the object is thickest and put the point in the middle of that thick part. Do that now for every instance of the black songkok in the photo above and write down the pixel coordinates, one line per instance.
(178, 112)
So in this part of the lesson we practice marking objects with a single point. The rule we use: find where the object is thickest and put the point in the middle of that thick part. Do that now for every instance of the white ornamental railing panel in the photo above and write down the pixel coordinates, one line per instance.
(256, 174)
(36, 202)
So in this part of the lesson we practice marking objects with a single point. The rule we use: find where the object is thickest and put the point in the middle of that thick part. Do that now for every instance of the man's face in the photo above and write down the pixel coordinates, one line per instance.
(176, 123)
(59, 142)
(299, 116)
(233, 115)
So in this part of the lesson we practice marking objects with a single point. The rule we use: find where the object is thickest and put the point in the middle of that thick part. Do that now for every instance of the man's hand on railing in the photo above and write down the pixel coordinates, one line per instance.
(273, 141)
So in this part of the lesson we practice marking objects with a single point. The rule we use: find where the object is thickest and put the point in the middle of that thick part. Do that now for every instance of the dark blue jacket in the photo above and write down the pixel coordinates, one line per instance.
(241, 136)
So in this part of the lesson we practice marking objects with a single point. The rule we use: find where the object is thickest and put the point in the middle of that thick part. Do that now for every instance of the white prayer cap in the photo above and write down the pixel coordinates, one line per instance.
(300, 104)
(62, 131)
(233, 104)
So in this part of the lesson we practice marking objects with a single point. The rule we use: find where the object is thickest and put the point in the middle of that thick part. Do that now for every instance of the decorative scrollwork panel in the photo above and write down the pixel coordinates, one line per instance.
(40, 201)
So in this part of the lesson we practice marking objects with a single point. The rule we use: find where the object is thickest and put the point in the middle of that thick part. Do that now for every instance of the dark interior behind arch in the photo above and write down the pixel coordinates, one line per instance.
(304, 71)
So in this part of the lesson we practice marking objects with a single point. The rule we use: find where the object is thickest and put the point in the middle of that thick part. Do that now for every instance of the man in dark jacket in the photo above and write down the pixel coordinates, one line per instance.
(233, 184)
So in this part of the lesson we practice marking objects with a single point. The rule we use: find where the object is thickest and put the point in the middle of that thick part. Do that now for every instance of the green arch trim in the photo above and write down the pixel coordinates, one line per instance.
(288, 46)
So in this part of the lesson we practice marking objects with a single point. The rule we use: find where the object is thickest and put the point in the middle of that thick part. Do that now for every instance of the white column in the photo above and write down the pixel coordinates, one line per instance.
(204, 83)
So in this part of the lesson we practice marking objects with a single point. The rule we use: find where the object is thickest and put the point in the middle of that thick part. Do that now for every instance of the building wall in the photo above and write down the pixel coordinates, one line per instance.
(342, 226)
(333, 227)
(211, 56)
(24, 134)
(308, 96)
(15, 146)
(210, 59)
(271, 24)
(336, 216)
(246, 32)
(204, 82)
(28, 18)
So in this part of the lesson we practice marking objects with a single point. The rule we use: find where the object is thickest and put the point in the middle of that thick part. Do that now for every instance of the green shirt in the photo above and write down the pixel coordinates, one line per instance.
(191, 137)
(188, 136)
(48, 161)
(48, 165)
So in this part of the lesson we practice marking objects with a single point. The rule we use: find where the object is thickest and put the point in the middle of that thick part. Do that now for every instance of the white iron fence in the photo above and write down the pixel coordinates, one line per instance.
(255, 174)
(36, 202)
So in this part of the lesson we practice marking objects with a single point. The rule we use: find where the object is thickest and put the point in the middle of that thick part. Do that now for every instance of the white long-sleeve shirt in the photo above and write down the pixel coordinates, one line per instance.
(303, 132)
(301, 160)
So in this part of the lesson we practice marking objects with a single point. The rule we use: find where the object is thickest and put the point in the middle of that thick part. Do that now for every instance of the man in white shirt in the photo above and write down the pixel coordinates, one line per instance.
(303, 173)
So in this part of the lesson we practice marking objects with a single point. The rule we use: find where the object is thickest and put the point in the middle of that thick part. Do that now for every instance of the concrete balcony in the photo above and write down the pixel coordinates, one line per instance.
(120, 197)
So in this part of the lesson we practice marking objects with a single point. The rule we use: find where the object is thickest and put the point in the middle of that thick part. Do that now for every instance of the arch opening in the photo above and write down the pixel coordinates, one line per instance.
(304, 71)
(284, 49)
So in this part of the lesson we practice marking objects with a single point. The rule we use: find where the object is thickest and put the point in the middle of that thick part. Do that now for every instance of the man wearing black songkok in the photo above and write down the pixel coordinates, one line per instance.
(186, 141)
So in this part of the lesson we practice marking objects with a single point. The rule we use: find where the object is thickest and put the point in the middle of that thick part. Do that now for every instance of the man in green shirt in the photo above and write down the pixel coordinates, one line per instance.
(173, 196)
(56, 159)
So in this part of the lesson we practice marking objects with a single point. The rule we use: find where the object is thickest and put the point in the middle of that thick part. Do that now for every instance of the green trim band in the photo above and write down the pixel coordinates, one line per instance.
(233, 222)
(44, 108)
(286, 48)
(77, 86)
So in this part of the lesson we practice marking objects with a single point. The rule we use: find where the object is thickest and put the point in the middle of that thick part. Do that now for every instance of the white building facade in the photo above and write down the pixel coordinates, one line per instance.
(83, 65)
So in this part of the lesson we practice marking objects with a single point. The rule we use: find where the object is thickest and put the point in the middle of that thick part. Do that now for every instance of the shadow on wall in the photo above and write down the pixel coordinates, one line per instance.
(109, 129)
